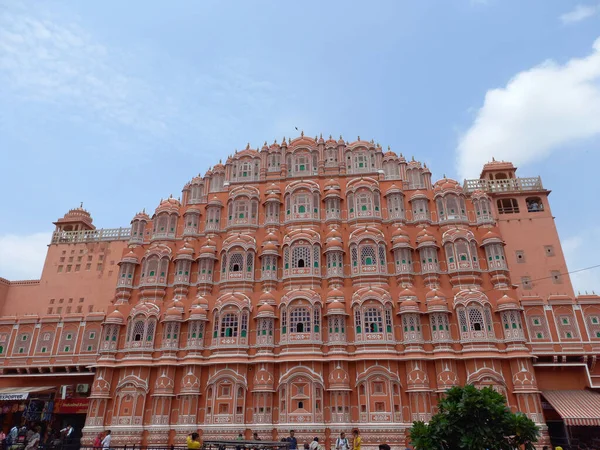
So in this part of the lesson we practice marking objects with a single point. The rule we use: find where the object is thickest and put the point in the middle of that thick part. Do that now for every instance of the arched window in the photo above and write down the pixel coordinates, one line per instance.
(429, 261)
(300, 320)
(395, 205)
(243, 211)
(140, 332)
(403, 257)
(274, 160)
(475, 322)
(411, 327)
(217, 182)
(213, 215)
(302, 204)
(420, 210)
(303, 163)
(495, 256)
(511, 324)
(154, 270)
(301, 256)
(300, 323)
(197, 194)
(331, 157)
(368, 257)
(461, 255)
(237, 264)
(229, 325)
(301, 259)
(391, 170)
(363, 203)
(373, 322)
(440, 327)
(415, 179)
(483, 210)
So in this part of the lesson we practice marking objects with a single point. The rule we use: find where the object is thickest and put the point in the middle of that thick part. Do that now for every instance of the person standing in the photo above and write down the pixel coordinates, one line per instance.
(341, 443)
(106, 440)
(193, 441)
(293, 441)
(357, 441)
(34, 441)
(314, 445)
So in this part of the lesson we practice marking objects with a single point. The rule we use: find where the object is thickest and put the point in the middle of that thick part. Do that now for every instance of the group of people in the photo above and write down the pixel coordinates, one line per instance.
(103, 440)
(31, 436)
(341, 443)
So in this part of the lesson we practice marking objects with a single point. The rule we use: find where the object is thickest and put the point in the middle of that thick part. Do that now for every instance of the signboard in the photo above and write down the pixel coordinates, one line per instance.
(71, 406)
(15, 396)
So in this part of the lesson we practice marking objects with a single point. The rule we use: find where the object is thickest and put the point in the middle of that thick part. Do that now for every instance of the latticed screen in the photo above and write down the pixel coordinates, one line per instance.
(373, 320)
(300, 320)
(301, 256)
(476, 319)
(301, 203)
(367, 255)
(229, 325)
(236, 262)
(364, 201)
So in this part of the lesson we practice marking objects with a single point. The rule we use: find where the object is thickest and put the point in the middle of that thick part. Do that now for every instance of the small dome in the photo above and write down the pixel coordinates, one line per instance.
(418, 194)
(507, 303)
(141, 216)
(266, 307)
(185, 252)
(170, 205)
(437, 304)
(491, 237)
(434, 293)
(331, 184)
(267, 297)
(399, 232)
(130, 258)
(336, 308)
(115, 317)
(335, 293)
(334, 233)
(270, 247)
(266, 310)
(408, 293)
(407, 306)
(173, 313)
(176, 303)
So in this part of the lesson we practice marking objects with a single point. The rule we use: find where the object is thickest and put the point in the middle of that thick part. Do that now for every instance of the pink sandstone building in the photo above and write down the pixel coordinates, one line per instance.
(315, 285)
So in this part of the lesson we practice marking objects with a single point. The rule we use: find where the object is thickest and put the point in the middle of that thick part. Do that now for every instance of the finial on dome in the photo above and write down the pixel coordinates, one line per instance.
(389, 149)
(170, 195)
(302, 133)
(321, 135)
(178, 199)
(444, 176)
(236, 151)
(412, 158)
(265, 142)
(144, 210)
(493, 159)
(425, 165)
(248, 146)
(330, 137)
(81, 205)
(275, 141)
(358, 138)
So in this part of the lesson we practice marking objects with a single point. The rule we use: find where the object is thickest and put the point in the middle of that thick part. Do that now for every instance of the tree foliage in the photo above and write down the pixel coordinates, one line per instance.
(474, 419)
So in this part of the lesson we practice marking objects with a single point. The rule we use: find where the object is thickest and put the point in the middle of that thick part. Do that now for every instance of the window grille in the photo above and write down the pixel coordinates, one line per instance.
(300, 320)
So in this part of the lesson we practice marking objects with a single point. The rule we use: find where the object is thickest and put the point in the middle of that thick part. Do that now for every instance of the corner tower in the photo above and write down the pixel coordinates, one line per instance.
(533, 249)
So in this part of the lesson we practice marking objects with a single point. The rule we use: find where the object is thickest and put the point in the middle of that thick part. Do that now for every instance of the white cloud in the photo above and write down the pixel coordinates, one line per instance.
(538, 111)
(44, 60)
(580, 252)
(581, 12)
(22, 256)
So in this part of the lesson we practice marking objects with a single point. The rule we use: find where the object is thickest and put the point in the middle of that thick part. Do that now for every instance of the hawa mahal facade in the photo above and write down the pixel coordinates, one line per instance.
(315, 285)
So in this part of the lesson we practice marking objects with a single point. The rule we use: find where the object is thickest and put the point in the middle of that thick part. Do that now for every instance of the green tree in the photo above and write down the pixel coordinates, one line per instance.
(474, 419)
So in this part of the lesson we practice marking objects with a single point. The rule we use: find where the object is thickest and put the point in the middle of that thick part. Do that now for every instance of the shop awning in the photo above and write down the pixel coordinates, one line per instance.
(20, 393)
(577, 408)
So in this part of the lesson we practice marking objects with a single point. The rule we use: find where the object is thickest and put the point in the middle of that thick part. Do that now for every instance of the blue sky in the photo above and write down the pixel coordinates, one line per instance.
(118, 104)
